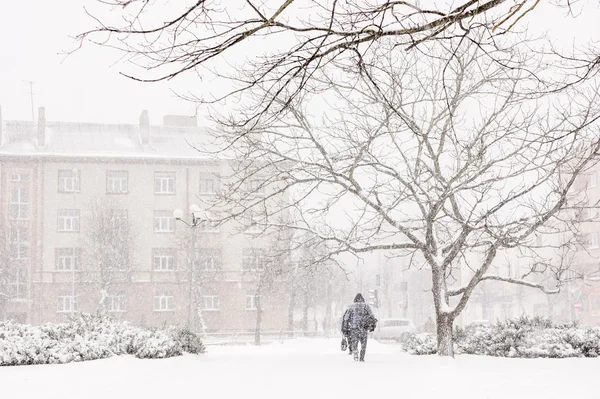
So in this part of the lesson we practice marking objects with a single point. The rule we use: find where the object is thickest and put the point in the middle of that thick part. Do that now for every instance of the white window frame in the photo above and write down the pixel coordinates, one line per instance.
(163, 260)
(67, 303)
(251, 301)
(116, 303)
(163, 302)
(209, 259)
(210, 303)
(117, 182)
(119, 219)
(68, 221)
(18, 239)
(253, 223)
(592, 211)
(209, 184)
(18, 207)
(68, 181)
(208, 225)
(253, 259)
(592, 180)
(254, 187)
(164, 222)
(68, 259)
(17, 283)
(592, 241)
(19, 177)
(164, 183)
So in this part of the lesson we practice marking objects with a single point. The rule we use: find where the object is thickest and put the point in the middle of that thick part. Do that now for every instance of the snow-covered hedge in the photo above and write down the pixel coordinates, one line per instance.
(88, 337)
(524, 337)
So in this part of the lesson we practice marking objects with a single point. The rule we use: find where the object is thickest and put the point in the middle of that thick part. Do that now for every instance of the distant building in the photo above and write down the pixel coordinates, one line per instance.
(50, 175)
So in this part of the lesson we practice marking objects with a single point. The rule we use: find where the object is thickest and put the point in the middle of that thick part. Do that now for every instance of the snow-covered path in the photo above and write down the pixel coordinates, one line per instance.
(306, 369)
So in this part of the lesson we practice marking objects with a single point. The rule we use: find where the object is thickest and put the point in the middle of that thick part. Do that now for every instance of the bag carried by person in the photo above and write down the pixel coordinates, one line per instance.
(344, 344)
(371, 324)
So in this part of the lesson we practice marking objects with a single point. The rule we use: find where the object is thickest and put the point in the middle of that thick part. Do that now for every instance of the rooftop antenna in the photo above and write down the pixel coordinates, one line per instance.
(32, 108)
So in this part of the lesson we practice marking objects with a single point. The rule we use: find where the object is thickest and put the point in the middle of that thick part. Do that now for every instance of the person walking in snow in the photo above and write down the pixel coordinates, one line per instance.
(358, 321)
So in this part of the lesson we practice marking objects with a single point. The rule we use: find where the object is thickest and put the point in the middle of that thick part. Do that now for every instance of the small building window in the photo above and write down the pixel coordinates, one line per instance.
(68, 181)
(163, 301)
(164, 183)
(117, 182)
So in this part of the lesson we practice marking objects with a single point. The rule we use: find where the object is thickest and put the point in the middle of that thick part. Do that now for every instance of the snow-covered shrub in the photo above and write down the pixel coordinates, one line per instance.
(421, 344)
(523, 337)
(88, 337)
(190, 342)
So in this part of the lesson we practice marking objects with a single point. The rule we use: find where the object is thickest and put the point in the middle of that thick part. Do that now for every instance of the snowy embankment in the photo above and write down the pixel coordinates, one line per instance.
(306, 368)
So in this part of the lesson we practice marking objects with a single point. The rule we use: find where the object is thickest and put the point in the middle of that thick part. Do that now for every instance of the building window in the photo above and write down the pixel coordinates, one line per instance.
(116, 182)
(18, 239)
(164, 222)
(19, 203)
(19, 177)
(254, 187)
(594, 303)
(164, 183)
(68, 181)
(163, 302)
(118, 220)
(253, 259)
(68, 220)
(210, 302)
(252, 301)
(210, 224)
(209, 259)
(17, 282)
(592, 180)
(592, 240)
(209, 184)
(115, 303)
(163, 260)
(254, 222)
(68, 259)
(67, 303)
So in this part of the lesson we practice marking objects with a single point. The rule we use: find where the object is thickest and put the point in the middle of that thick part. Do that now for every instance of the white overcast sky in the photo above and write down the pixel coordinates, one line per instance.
(86, 86)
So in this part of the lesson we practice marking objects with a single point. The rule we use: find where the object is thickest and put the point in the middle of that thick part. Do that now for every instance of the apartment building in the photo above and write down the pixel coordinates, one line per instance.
(55, 180)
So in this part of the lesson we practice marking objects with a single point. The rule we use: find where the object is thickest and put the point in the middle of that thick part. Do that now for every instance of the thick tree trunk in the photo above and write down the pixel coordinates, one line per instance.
(258, 323)
(291, 307)
(305, 313)
(445, 340)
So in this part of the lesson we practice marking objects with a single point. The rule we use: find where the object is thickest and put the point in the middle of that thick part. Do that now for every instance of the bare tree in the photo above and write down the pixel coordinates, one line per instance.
(303, 36)
(268, 267)
(108, 249)
(443, 156)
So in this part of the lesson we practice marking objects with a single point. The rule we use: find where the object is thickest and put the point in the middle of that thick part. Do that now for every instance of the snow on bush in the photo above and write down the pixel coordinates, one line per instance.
(524, 337)
(88, 337)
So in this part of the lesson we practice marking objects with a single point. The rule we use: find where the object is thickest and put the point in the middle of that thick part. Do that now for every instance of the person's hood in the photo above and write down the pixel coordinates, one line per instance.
(359, 298)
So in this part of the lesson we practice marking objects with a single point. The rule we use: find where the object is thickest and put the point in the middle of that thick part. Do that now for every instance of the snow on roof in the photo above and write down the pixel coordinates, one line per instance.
(95, 140)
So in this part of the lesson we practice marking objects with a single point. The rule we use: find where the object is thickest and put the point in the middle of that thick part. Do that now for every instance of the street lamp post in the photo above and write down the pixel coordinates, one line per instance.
(178, 214)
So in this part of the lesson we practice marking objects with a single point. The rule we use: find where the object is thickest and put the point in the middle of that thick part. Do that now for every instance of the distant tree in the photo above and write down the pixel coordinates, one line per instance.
(109, 243)
(202, 265)
(267, 263)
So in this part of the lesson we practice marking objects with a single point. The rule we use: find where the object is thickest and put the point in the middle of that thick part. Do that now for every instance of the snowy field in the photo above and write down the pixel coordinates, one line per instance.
(307, 369)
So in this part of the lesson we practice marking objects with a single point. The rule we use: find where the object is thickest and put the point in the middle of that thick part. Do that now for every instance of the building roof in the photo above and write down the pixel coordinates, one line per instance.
(96, 140)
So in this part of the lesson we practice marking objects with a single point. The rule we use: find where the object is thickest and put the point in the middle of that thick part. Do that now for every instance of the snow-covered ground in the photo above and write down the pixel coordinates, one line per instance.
(307, 369)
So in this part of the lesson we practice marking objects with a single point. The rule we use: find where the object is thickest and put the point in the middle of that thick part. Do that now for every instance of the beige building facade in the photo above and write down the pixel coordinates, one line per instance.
(51, 177)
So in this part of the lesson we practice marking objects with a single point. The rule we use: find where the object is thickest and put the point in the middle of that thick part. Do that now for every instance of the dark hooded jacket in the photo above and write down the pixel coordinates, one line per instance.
(358, 318)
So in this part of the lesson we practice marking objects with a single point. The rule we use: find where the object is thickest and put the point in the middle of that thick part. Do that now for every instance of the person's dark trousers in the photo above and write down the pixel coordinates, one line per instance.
(356, 338)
